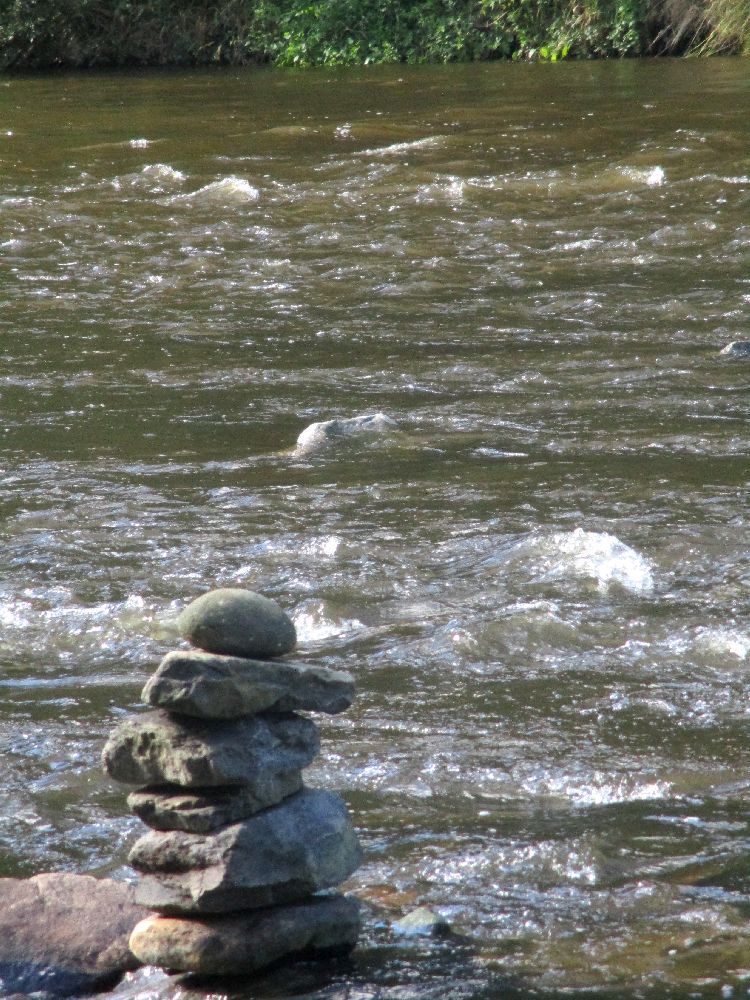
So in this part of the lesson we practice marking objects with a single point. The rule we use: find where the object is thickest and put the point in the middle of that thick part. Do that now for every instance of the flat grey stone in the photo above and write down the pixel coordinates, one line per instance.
(64, 935)
(278, 856)
(238, 623)
(202, 810)
(258, 751)
(211, 686)
(241, 943)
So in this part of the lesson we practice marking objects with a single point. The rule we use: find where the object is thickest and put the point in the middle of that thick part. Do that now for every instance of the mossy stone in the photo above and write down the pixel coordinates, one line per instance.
(237, 622)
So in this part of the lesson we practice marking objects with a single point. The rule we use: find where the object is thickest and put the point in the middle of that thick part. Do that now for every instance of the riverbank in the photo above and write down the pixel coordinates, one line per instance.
(44, 34)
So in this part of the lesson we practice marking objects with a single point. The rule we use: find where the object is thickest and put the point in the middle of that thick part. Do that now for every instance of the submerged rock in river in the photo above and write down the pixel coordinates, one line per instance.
(278, 856)
(64, 935)
(239, 943)
(421, 922)
(260, 752)
(238, 623)
(323, 433)
(212, 686)
(737, 349)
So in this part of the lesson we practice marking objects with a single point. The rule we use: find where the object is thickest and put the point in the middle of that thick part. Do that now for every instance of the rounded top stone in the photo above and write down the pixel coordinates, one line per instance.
(237, 622)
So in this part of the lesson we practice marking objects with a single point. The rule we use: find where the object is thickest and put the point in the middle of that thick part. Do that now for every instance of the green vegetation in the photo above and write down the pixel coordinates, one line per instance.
(309, 32)
(45, 33)
(729, 22)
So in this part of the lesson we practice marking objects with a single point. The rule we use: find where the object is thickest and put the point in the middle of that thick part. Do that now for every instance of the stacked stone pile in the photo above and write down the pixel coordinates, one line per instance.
(240, 853)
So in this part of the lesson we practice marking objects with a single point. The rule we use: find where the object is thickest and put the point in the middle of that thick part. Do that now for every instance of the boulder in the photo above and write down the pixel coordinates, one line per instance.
(241, 943)
(169, 807)
(238, 623)
(278, 856)
(258, 751)
(210, 686)
(325, 432)
(64, 935)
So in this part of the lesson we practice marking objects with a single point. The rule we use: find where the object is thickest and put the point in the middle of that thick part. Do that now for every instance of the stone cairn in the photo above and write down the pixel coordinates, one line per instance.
(239, 852)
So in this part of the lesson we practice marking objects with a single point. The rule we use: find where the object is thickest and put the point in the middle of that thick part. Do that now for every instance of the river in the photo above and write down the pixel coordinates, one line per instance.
(540, 578)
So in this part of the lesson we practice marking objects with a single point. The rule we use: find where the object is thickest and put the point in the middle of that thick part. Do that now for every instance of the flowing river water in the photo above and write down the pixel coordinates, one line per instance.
(540, 577)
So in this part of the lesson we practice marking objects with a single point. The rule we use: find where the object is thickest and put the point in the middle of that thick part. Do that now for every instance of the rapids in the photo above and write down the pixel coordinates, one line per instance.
(541, 581)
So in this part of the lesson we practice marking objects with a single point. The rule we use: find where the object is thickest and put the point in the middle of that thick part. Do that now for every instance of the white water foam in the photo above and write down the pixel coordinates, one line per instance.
(650, 176)
(154, 177)
(595, 789)
(328, 545)
(724, 642)
(594, 556)
(14, 615)
(315, 623)
(162, 172)
(52, 627)
(399, 148)
(575, 862)
(715, 644)
(498, 453)
(450, 189)
(228, 190)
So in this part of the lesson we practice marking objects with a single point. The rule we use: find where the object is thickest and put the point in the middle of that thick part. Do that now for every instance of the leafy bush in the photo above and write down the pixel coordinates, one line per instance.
(309, 32)
(573, 28)
(46, 33)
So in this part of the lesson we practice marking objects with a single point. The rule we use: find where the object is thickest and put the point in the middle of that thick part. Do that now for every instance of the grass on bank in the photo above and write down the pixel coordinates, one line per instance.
(36, 34)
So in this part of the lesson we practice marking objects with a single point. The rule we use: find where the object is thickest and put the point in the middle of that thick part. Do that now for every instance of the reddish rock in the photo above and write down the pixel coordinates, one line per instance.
(241, 943)
(65, 935)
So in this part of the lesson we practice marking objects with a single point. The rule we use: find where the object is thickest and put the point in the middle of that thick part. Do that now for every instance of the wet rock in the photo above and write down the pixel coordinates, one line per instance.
(737, 349)
(210, 686)
(205, 809)
(278, 856)
(326, 431)
(237, 623)
(64, 935)
(259, 751)
(241, 943)
(421, 922)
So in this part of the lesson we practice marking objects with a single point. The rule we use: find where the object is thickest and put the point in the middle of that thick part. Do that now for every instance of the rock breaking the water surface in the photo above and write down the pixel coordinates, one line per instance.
(63, 934)
(325, 432)
(737, 349)
(239, 850)
(238, 943)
